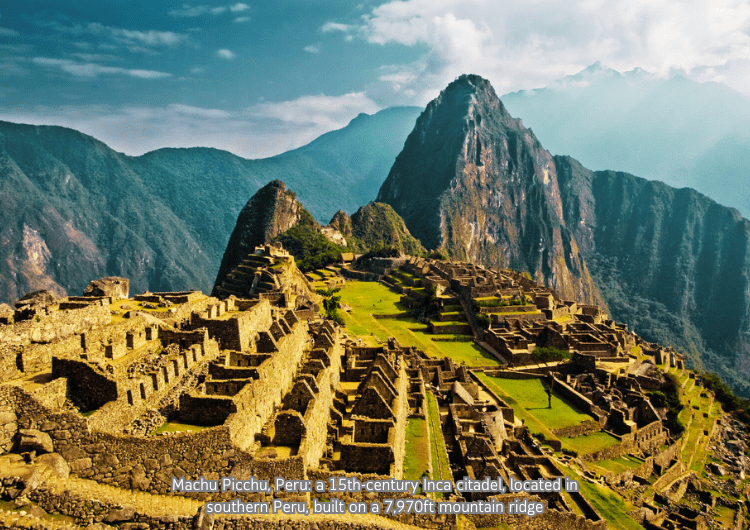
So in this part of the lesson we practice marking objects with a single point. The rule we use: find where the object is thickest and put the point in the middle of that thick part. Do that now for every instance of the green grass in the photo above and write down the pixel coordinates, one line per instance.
(534, 425)
(443, 323)
(725, 516)
(172, 426)
(620, 464)
(417, 451)
(371, 298)
(590, 443)
(455, 315)
(440, 466)
(609, 504)
(530, 394)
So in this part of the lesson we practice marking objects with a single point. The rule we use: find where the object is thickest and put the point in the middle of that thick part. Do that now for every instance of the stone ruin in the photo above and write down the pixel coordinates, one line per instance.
(95, 389)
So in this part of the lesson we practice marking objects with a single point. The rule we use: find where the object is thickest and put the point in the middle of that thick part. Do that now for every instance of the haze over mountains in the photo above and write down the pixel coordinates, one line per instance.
(675, 130)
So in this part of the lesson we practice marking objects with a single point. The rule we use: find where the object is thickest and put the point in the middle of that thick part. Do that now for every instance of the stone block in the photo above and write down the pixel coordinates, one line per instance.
(80, 465)
(117, 515)
(113, 286)
(55, 462)
(34, 440)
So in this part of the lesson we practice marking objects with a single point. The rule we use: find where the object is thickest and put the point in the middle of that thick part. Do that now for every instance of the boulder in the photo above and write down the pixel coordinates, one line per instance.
(113, 286)
(55, 462)
(20, 478)
(42, 298)
(6, 314)
(33, 440)
(116, 515)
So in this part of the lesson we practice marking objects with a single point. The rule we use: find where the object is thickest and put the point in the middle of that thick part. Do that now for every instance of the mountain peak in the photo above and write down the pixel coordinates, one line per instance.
(472, 181)
(272, 210)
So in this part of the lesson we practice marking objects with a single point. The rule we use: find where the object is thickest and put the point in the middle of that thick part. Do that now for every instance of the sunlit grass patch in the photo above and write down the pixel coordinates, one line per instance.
(417, 450)
(370, 298)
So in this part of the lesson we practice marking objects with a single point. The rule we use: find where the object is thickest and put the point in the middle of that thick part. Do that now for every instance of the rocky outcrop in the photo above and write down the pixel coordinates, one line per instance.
(471, 180)
(113, 286)
(34, 440)
(375, 225)
(342, 222)
(41, 298)
(271, 211)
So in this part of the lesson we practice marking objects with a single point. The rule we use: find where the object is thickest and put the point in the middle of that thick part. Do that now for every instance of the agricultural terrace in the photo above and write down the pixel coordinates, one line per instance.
(375, 310)
(699, 416)
(611, 506)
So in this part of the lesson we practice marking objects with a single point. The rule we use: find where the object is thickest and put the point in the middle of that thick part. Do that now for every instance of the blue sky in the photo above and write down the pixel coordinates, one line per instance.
(261, 78)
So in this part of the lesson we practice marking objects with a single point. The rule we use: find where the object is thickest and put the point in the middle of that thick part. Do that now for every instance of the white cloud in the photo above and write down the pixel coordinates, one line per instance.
(735, 73)
(148, 38)
(199, 111)
(327, 111)
(137, 130)
(225, 54)
(188, 11)
(197, 70)
(129, 37)
(95, 70)
(7, 32)
(242, 19)
(94, 57)
(312, 48)
(521, 45)
(328, 27)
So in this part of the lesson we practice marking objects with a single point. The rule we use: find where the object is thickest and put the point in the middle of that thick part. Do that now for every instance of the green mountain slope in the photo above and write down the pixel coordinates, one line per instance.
(74, 209)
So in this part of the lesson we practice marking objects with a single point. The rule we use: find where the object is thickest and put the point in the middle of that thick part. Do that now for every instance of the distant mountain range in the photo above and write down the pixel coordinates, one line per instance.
(72, 209)
(675, 130)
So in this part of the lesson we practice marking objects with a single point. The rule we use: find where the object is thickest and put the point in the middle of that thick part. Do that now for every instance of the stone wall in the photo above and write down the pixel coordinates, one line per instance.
(576, 399)
(582, 429)
(314, 442)
(127, 461)
(237, 331)
(89, 388)
(668, 476)
(29, 345)
(257, 401)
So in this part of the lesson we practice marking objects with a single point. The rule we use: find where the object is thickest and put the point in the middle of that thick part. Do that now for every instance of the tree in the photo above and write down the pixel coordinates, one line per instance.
(547, 385)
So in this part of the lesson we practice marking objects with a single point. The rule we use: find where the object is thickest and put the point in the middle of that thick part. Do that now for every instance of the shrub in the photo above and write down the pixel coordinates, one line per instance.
(548, 354)
(310, 248)
(658, 399)
(484, 320)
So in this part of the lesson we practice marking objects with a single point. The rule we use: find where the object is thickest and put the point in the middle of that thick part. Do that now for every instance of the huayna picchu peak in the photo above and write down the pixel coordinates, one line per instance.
(471, 180)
